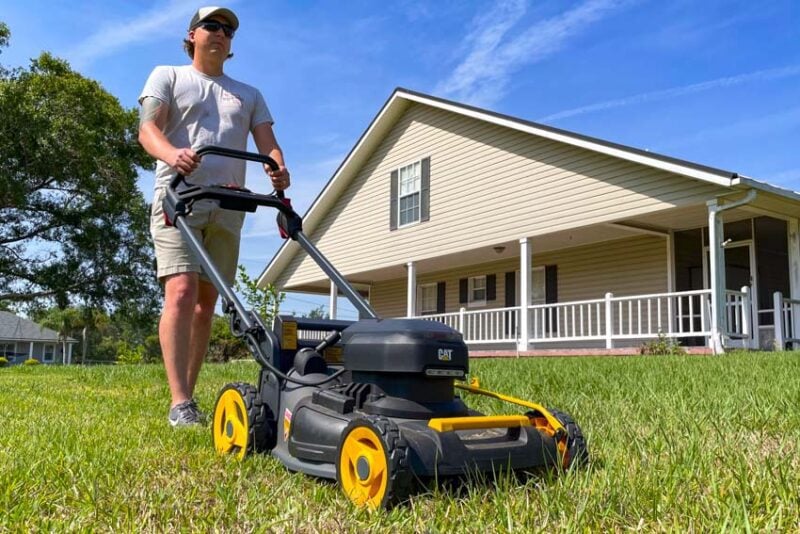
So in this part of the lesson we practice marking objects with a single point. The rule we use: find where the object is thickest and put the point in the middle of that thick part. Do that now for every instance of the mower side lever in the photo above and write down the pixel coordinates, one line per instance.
(330, 339)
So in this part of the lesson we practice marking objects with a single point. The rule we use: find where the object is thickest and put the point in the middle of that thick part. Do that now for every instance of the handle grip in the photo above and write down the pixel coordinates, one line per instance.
(228, 153)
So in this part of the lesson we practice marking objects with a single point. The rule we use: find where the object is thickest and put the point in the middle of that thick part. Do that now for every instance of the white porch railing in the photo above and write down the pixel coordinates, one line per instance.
(498, 325)
(787, 317)
(675, 315)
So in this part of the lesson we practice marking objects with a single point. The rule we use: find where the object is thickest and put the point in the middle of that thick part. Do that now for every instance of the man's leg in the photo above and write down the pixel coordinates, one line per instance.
(201, 331)
(174, 331)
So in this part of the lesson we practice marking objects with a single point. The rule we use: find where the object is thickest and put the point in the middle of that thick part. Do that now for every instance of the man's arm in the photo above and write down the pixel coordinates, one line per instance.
(152, 120)
(264, 137)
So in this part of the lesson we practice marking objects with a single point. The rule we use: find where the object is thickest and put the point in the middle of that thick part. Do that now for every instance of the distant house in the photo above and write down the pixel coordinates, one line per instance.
(21, 339)
(528, 237)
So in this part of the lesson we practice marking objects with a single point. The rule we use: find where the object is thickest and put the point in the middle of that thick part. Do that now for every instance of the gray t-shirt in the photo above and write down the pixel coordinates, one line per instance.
(206, 110)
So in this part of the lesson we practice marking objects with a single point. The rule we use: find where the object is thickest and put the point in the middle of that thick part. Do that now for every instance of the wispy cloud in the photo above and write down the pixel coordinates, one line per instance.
(163, 19)
(492, 57)
(665, 94)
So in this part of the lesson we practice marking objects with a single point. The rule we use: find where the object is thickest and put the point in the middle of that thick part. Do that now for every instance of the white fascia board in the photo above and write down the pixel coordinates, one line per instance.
(575, 141)
(769, 188)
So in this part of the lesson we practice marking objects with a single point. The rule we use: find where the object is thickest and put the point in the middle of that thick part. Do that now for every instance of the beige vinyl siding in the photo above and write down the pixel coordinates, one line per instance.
(488, 184)
(632, 266)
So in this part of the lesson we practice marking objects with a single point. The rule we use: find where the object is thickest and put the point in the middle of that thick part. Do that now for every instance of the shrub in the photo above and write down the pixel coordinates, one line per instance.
(129, 355)
(663, 346)
(31, 361)
(3, 361)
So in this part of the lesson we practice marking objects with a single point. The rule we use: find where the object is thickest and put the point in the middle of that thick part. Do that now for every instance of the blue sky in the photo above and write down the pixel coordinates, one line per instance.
(716, 82)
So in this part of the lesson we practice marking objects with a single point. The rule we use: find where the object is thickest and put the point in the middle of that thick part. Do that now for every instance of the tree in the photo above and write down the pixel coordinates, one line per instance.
(265, 301)
(223, 346)
(74, 225)
(317, 313)
(5, 35)
(66, 322)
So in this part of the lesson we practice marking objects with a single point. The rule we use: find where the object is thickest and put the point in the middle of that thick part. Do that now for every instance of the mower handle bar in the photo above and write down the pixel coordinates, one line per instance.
(229, 153)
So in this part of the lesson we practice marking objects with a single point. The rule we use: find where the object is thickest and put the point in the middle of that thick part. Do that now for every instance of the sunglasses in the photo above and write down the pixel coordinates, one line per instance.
(213, 26)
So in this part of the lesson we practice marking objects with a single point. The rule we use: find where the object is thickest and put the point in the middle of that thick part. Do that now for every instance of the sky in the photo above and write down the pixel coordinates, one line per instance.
(715, 82)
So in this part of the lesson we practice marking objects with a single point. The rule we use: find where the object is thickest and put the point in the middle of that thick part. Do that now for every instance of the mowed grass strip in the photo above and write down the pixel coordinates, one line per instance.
(687, 443)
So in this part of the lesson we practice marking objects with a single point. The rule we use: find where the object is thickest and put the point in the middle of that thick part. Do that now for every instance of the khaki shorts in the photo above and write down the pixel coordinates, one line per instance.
(218, 230)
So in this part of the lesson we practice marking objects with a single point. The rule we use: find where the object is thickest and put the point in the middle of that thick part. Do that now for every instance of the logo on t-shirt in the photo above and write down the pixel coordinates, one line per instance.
(231, 98)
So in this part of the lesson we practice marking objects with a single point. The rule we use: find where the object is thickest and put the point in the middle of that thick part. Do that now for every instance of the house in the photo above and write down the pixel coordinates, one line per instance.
(528, 237)
(21, 339)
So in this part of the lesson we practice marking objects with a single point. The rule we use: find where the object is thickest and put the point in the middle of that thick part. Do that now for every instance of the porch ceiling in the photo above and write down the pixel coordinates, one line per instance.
(661, 222)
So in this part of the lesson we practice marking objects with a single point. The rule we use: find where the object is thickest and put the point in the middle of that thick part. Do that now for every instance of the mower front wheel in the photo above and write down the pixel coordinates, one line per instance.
(571, 443)
(241, 421)
(372, 466)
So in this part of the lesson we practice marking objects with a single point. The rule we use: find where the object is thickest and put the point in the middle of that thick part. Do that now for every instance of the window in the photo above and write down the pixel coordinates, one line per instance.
(410, 189)
(538, 286)
(428, 294)
(49, 353)
(477, 291)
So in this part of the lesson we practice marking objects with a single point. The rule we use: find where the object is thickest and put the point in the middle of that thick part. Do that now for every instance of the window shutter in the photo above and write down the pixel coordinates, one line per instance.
(393, 200)
(551, 283)
(440, 294)
(425, 190)
(511, 290)
(491, 283)
(463, 288)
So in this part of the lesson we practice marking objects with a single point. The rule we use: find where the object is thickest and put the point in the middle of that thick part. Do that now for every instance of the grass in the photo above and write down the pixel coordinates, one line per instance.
(678, 443)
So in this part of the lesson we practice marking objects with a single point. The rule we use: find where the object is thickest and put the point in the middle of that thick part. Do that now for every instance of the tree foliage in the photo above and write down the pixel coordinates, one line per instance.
(73, 224)
(265, 301)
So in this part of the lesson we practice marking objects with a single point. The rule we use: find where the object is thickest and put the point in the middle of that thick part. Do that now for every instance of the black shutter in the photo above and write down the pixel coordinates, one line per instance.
(425, 191)
(463, 288)
(551, 283)
(491, 283)
(511, 290)
(511, 300)
(393, 201)
(440, 295)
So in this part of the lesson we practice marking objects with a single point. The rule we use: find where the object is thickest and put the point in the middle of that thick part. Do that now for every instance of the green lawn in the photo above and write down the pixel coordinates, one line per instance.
(677, 443)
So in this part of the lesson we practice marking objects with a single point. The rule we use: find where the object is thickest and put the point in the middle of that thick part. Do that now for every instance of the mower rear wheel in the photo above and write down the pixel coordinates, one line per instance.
(241, 421)
(372, 466)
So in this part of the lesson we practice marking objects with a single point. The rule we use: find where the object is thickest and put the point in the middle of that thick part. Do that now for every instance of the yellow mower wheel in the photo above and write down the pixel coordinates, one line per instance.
(571, 444)
(240, 424)
(372, 466)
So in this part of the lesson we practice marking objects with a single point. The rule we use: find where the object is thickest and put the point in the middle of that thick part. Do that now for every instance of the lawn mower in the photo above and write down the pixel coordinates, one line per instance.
(371, 403)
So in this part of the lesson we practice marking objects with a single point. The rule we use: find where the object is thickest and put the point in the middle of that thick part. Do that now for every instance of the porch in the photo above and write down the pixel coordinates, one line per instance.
(624, 322)
(612, 286)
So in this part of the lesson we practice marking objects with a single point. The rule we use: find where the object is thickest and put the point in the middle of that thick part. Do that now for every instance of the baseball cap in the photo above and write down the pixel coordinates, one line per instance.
(209, 11)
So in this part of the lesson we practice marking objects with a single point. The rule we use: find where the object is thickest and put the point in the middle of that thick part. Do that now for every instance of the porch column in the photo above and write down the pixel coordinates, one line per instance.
(716, 270)
(30, 351)
(524, 292)
(411, 296)
(69, 353)
(794, 270)
(670, 261)
(333, 300)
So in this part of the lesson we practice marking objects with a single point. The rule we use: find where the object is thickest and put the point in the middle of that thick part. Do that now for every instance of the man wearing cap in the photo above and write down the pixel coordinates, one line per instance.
(183, 108)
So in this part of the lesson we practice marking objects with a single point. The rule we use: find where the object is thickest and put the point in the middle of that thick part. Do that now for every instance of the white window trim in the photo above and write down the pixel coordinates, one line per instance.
(473, 303)
(400, 195)
(421, 299)
(44, 353)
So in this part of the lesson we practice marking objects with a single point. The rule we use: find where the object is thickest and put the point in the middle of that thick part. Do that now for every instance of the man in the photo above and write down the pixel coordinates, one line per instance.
(183, 108)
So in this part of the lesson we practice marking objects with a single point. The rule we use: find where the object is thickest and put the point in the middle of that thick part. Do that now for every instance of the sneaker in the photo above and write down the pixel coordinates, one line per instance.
(185, 414)
(201, 415)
